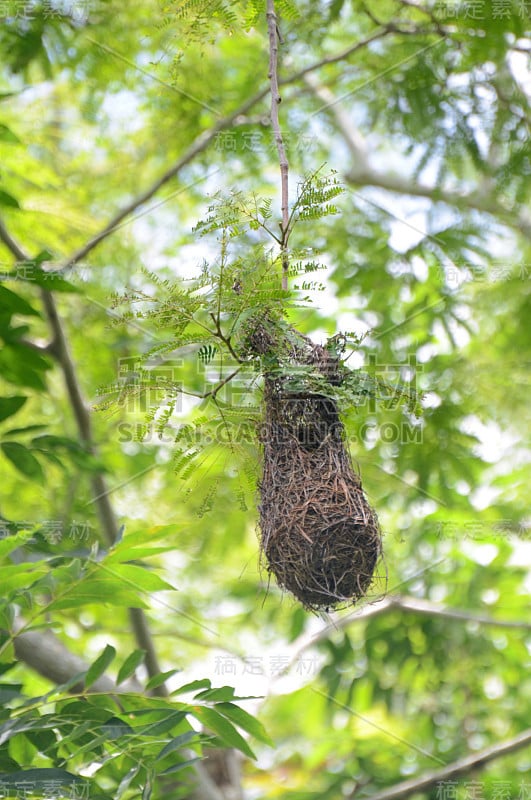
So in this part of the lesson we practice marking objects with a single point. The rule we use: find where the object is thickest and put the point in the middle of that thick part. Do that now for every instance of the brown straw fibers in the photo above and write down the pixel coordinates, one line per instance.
(319, 535)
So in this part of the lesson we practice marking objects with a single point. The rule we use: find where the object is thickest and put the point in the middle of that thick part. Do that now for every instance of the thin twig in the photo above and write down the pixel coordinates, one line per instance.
(427, 608)
(200, 144)
(282, 157)
(461, 767)
(10, 243)
(323, 62)
(213, 392)
(405, 603)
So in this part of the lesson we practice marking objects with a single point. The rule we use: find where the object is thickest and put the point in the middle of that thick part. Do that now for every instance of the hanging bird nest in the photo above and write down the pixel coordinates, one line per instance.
(319, 536)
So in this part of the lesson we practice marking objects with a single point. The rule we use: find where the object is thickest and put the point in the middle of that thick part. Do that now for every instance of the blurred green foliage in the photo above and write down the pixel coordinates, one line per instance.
(95, 104)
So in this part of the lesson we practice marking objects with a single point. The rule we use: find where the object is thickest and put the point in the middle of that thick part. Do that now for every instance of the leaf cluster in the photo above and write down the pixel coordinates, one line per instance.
(131, 740)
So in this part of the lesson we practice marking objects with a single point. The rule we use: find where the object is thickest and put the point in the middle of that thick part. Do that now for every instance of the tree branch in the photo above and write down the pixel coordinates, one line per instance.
(10, 243)
(405, 603)
(47, 655)
(454, 770)
(282, 157)
(296, 76)
(81, 412)
(235, 117)
(385, 29)
(201, 143)
(363, 174)
(198, 146)
(428, 608)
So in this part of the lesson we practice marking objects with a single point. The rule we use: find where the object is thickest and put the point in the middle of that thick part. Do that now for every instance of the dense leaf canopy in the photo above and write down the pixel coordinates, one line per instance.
(144, 652)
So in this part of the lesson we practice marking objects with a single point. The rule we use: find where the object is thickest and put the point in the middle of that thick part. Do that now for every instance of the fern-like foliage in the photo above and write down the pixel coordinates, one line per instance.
(197, 18)
(199, 22)
(315, 194)
(206, 366)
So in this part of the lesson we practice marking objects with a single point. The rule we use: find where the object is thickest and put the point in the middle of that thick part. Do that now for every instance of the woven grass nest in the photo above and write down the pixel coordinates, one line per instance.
(319, 536)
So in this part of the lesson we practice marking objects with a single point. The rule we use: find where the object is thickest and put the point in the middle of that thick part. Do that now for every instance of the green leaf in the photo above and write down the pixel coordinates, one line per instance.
(140, 578)
(181, 765)
(118, 554)
(50, 440)
(222, 693)
(142, 543)
(76, 451)
(25, 429)
(115, 728)
(21, 749)
(100, 665)
(29, 357)
(6, 134)
(11, 727)
(9, 692)
(64, 688)
(15, 368)
(130, 664)
(21, 576)
(297, 623)
(10, 406)
(193, 685)
(179, 741)
(16, 304)
(223, 728)
(98, 589)
(8, 200)
(23, 460)
(126, 781)
(42, 257)
(244, 720)
(158, 680)
(167, 723)
(6, 762)
(10, 543)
